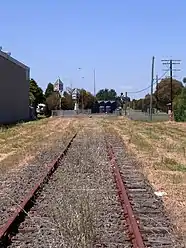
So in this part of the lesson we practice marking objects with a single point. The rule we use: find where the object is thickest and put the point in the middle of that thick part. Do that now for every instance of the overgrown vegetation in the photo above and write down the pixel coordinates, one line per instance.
(23, 141)
(160, 148)
(161, 96)
(180, 106)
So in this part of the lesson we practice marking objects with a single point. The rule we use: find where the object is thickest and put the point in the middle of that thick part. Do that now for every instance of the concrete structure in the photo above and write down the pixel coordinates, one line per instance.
(14, 90)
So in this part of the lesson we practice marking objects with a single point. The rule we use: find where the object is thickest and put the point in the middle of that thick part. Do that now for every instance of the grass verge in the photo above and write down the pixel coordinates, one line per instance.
(23, 142)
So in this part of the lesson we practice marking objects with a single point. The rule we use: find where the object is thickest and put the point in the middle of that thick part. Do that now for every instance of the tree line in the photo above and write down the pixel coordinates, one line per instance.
(161, 97)
(54, 101)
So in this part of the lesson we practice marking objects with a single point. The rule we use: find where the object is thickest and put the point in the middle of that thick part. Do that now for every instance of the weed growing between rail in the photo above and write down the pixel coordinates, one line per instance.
(161, 150)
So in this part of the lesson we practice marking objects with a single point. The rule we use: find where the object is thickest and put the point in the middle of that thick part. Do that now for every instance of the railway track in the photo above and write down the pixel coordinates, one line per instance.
(154, 225)
(79, 205)
(10, 227)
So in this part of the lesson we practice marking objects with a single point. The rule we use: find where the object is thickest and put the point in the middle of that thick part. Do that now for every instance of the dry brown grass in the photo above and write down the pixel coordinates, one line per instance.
(161, 150)
(23, 142)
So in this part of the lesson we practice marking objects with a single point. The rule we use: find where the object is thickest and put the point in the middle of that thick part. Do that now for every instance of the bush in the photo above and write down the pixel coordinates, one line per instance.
(180, 106)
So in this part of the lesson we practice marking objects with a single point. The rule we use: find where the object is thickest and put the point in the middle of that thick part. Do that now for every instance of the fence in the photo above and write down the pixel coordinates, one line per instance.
(69, 113)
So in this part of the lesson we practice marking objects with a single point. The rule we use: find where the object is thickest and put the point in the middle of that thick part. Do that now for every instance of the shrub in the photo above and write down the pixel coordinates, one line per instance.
(180, 106)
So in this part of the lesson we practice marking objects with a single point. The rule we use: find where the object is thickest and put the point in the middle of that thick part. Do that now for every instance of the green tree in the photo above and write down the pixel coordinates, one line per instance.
(147, 102)
(49, 90)
(31, 98)
(85, 98)
(106, 94)
(138, 104)
(52, 102)
(66, 101)
(184, 80)
(163, 92)
(179, 106)
(36, 93)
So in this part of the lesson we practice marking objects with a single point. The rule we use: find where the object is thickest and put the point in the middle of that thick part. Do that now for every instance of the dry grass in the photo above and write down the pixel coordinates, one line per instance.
(21, 143)
(161, 150)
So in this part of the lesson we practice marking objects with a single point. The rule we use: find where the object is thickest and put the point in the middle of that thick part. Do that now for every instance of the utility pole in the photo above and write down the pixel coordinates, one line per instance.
(94, 82)
(157, 91)
(171, 82)
(152, 82)
(125, 103)
(170, 63)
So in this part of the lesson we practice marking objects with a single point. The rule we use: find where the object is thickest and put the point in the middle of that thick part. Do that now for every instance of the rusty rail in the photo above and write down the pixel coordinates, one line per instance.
(134, 232)
(10, 227)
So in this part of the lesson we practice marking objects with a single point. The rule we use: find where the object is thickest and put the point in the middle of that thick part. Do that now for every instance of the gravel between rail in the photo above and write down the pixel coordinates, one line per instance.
(79, 206)
(17, 182)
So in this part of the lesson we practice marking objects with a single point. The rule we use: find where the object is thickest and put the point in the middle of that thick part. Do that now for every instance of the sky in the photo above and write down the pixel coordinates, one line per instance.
(116, 38)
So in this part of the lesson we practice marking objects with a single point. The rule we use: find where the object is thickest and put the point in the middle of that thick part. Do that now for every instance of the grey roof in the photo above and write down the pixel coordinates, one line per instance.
(6, 56)
(106, 101)
(58, 81)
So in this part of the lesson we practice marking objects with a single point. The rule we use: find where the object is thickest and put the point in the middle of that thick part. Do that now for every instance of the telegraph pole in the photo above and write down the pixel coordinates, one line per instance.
(152, 82)
(94, 82)
(157, 91)
(170, 63)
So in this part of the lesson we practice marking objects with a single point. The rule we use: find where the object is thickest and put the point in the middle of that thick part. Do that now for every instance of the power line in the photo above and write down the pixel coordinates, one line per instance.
(139, 91)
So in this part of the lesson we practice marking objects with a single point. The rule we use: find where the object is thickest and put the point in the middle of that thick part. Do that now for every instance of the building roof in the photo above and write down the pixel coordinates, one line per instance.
(58, 81)
(7, 56)
(58, 85)
(106, 101)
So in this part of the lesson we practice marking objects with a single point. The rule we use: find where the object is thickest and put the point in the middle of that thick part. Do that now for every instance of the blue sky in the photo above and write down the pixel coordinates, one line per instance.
(117, 38)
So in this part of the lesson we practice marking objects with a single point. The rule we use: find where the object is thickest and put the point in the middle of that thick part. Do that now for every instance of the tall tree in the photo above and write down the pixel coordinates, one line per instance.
(31, 98)
(53, 101)
(66, 101)
(36, 93)
(106, 94)
(163, 92)
(85, 98)
(147, 102)
(49, 90)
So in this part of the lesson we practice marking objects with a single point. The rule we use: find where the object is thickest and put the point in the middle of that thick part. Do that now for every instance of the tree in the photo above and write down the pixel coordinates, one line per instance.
(184, 80)
(106, 94)
(31, 98)
(52, 102)
(85, 98)
(36, 93)
(49, 90)
(163, 92)
(180, 106)
(147, 101)
(66, 101)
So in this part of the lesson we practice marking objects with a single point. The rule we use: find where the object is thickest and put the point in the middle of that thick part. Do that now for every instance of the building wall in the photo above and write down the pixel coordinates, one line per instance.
(14, 92)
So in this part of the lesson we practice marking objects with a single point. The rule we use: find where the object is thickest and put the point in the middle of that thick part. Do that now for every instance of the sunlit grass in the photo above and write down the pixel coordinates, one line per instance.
(160, 148)
(27, 139)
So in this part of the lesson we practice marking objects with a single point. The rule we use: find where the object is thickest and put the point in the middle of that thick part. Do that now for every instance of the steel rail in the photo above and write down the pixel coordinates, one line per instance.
(10, 227)
(134, 232)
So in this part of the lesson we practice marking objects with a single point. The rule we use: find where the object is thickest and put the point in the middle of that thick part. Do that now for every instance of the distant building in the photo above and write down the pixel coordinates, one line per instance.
(104, 107)
(58, 86)
(14, 90)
